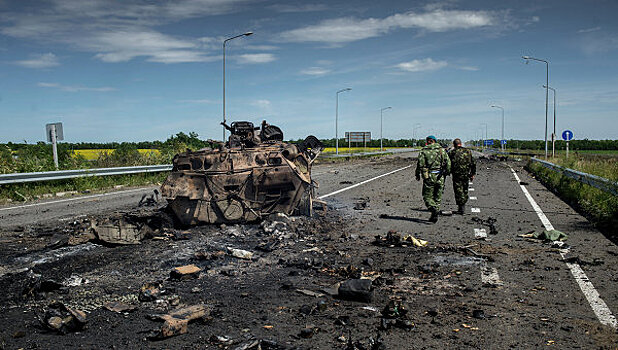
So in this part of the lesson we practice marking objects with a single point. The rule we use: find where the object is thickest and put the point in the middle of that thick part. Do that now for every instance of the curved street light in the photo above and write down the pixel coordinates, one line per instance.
(502, 137)
(382, 110)
(337, 119)
(553, 135)
(528, 58)
(224, 44)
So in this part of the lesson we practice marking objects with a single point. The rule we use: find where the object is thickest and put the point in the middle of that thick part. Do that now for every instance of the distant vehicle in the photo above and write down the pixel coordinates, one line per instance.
(252, 175)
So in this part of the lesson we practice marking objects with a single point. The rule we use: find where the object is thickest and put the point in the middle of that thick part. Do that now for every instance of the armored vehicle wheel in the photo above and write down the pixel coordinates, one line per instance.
(305, 207)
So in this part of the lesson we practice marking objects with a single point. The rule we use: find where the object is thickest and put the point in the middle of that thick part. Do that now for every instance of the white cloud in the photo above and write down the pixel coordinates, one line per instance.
(316, 71)
(469, 68)
(342, 30)
(45, 60)
(264, 104)
(285, 8)
(588, 30)
(421, 65)
(252, 58)
(118, 31)
(70, 88)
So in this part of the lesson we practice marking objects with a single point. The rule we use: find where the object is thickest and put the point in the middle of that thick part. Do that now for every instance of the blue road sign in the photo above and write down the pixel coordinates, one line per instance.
(489, 142)
(503, 142)
(567, 135)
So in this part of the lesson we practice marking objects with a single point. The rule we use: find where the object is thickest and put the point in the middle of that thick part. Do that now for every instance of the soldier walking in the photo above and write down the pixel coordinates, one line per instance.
(433, 166)
(463, 170)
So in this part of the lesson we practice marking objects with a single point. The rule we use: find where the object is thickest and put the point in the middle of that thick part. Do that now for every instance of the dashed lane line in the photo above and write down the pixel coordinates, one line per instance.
(599, 307)
(73, 199)
(472, 198)
(362, 182)
(471, 189)
(475, 210)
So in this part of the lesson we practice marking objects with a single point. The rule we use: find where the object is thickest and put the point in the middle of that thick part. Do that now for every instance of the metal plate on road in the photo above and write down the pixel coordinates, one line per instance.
(567, 135)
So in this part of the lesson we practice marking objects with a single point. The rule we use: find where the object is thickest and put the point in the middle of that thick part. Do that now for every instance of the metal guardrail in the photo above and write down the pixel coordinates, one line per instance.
(362, 154)
(601, 183)
(71, 174)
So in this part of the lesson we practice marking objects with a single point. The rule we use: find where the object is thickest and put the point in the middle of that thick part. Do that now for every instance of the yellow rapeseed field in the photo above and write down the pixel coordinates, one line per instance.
(93, 154)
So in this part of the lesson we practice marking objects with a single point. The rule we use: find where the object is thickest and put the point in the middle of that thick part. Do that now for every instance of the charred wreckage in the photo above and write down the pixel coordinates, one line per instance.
(252, 175)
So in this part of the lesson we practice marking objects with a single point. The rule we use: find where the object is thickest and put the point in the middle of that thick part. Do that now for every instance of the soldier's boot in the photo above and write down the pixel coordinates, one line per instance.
(434, 215)
(461, 209)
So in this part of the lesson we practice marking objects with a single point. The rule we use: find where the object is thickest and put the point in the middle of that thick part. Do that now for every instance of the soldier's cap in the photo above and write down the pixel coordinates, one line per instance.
(432, 137)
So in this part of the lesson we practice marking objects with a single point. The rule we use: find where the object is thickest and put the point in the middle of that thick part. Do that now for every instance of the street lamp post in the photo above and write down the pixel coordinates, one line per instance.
(224, 44)
(382, 110)
(553, 135)
(485, 138)
(337, 118)
(416, 126)
(527, 58)
(501, 145)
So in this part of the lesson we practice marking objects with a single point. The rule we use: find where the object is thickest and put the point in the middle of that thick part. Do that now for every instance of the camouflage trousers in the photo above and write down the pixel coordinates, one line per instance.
(460, 187)
(433, 187)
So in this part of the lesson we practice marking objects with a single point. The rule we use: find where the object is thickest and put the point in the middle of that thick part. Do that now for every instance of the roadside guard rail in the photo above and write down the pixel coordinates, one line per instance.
(601, 183)
(70, 174)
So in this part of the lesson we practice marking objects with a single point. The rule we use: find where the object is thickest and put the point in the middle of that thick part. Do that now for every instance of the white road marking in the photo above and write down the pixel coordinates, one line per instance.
(73, 199)
(476, 210)
(473, 198)
(489, 276)
(599, 307)
(470, 183)
(470, 189)
(362, 182)
(480, 233)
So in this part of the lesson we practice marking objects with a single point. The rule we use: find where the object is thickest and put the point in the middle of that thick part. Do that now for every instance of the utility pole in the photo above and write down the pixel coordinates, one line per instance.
(382, 110)
(337, 118)
(224, 44)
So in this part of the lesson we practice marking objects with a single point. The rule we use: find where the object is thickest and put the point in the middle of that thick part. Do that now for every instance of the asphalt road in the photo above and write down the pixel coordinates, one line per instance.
(530, 293)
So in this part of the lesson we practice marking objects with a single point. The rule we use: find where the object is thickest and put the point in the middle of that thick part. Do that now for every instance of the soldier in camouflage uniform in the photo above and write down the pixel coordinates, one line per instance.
(433, 166)
(463, 170)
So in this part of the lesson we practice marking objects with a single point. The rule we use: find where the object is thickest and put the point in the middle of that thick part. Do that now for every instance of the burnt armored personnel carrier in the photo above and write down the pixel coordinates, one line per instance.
(252, 175)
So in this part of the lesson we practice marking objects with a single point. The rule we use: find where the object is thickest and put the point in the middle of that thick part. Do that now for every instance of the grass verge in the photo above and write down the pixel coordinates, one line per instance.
(599, 207)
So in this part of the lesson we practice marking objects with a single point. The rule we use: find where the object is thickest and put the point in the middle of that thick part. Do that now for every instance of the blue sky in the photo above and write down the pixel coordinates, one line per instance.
(143, 70)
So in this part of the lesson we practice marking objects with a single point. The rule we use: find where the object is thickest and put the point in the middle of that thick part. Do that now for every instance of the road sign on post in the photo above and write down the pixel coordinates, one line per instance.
(567, 135)
(54, 134)
(489, 142)
(503, 142)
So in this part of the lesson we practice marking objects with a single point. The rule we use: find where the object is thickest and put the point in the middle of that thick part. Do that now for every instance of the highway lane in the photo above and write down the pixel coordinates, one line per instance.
(535, 296)
(528, 293)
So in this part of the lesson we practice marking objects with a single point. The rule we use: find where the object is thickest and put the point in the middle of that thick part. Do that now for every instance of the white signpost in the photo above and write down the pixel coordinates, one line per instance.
(54, 134)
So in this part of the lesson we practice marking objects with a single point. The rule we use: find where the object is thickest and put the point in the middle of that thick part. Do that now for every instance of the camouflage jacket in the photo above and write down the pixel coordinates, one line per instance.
(462, 162)
(433, 158)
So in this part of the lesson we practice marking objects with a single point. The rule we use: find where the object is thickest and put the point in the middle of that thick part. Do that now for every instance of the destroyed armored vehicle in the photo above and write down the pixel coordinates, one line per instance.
(252, 175)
